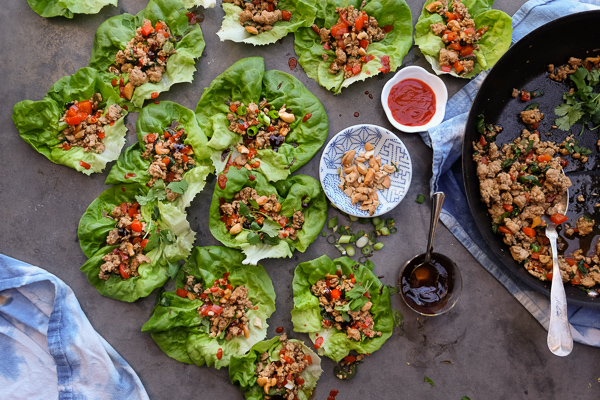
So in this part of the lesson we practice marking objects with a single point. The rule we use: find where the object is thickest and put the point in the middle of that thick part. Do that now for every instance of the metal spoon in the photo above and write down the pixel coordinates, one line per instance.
(437, 200)
(560, 341)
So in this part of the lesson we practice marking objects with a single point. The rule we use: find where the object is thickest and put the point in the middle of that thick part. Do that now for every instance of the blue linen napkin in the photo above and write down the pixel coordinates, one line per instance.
(446, 141)
(48, 348)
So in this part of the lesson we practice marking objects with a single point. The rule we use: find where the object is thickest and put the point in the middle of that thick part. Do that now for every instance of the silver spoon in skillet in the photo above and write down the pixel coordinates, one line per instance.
(560, 341)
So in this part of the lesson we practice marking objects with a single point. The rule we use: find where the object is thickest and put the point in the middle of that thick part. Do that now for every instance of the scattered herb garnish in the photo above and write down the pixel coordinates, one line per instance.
(583, 105)
(420, 199)
(428, 380)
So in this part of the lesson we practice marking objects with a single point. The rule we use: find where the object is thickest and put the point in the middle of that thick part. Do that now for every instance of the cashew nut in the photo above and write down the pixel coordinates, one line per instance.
(433, 7)
(368, 146)
(362, 35)
(386, 182)
(262, 200)
(352, 177)
(389, 168)
(159, 149)
(237, 228)
(348, 157)
(251, 30)
(286, 116)
(361, 168)
(369, 177)
(367, 306)
(262, 381)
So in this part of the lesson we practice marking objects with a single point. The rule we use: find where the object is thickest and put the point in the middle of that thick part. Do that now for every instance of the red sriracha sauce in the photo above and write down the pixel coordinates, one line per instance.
(84, 165)
(219, 353)
(222, 181)
(279, 329)
(130, 175)
(318, 342)
(412, 102)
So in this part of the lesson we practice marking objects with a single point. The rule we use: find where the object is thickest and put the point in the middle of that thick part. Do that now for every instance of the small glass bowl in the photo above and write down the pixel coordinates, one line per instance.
(448, 299)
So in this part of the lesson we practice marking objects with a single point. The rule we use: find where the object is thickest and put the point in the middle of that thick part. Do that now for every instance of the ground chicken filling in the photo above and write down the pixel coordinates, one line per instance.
(260, 127)
(145, 56)
(131, 237)
(459, 34)
(249, 208)
(282, 378)
(350, 38)
(87, 123)
(170, 157)
(224, 306)
(336, 308)
(519, 184)
(260, 15)
(561, 73)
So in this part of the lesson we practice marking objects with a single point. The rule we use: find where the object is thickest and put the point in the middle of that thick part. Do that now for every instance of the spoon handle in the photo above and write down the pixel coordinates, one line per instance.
(437, 200)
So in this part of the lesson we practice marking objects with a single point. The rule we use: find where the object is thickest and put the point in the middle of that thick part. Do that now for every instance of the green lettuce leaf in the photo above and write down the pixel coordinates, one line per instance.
(199, 3)
(493, 43)
(303, 15)
(67, 8)
(115, 32)
(306, 315)
(247, 81)
(396, 43)
(154, 118)
(242, 368)
(38, 121)
(290, 193)
(94, 227)
(174, 322)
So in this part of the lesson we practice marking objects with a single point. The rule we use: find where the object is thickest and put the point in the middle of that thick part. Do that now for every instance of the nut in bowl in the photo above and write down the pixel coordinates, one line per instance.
(365, 170)
(414, 100)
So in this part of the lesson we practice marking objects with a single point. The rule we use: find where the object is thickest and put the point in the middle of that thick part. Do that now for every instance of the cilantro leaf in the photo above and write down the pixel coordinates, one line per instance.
(271, 241)
(253, 203)
(358, 303)
(345, 317)
(357, 291)
(343, 308)
(244, 211)
(204, 325)
(164, 301)
(392, 289)
(271, 228)
(253, 238)
(397, 316)
(167, 236)
(173, 269)
(428, 380)
(582, 268)
(178, 187)
(157, 192)
(155, 213)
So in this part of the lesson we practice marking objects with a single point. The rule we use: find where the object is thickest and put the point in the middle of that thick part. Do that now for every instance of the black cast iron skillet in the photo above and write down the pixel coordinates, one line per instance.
(524, 66)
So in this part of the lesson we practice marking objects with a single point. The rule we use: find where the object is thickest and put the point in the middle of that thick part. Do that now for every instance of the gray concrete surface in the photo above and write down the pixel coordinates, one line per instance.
(487, 347)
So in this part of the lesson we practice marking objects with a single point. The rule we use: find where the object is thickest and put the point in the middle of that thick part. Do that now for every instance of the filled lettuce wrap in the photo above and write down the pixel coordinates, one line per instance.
(68, 8)
(219, 309)
(171, 155)
(462, 38)
(266, 370)
(149, 51)
(354, 43)
(266, 121)
(325, 289)
(79, 123)
(266, 220)
(132, 248)
(265, 22)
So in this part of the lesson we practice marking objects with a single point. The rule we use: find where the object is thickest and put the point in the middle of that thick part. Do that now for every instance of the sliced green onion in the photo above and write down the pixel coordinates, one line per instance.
(420, 199)
(389, 222)
(353, 218)
(344, 239)
(264, 119)
(332, 222)
(323, 234)
(362, 242)
(241, 110)
(384, 231)
(331, 239)
(366, 250)
(378, 246)
(380, 225)
(274, 114)
(373, 236)
(376, 221)
(393, 230)
(362, 260)
(361, 233)
(350, 250)
(341, 249)
(252, 131)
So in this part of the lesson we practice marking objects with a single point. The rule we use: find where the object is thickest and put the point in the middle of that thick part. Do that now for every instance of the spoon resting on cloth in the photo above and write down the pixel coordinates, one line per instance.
(437, 200)
(560, 341)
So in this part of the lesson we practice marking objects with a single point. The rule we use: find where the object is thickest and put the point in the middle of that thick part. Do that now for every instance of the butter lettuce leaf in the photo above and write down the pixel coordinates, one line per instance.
(38, 121)
(242, 369)
(94, 227)
(306, 315)
(290, 194)
(154, 118)
(68, 8)
(174, 322)
(396, 43)
(303, 15)
(247, 81)
(493, 43)
(114, 34)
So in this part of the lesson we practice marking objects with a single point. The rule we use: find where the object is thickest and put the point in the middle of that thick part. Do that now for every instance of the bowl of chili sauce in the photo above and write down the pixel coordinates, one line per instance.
(414, 100)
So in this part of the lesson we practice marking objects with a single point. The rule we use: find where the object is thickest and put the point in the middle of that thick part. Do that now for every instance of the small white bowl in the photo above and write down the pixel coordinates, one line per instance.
(435, 83)
(387, 145)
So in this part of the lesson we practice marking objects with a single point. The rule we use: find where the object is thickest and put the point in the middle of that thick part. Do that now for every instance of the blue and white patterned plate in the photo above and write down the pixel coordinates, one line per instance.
(386, 144)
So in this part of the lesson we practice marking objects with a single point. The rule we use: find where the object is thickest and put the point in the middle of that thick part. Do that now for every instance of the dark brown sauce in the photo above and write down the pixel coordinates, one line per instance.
(426, 291)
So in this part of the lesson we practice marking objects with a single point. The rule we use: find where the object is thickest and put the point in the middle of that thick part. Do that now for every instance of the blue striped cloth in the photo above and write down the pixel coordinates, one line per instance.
(446, 141)
(48, 348)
